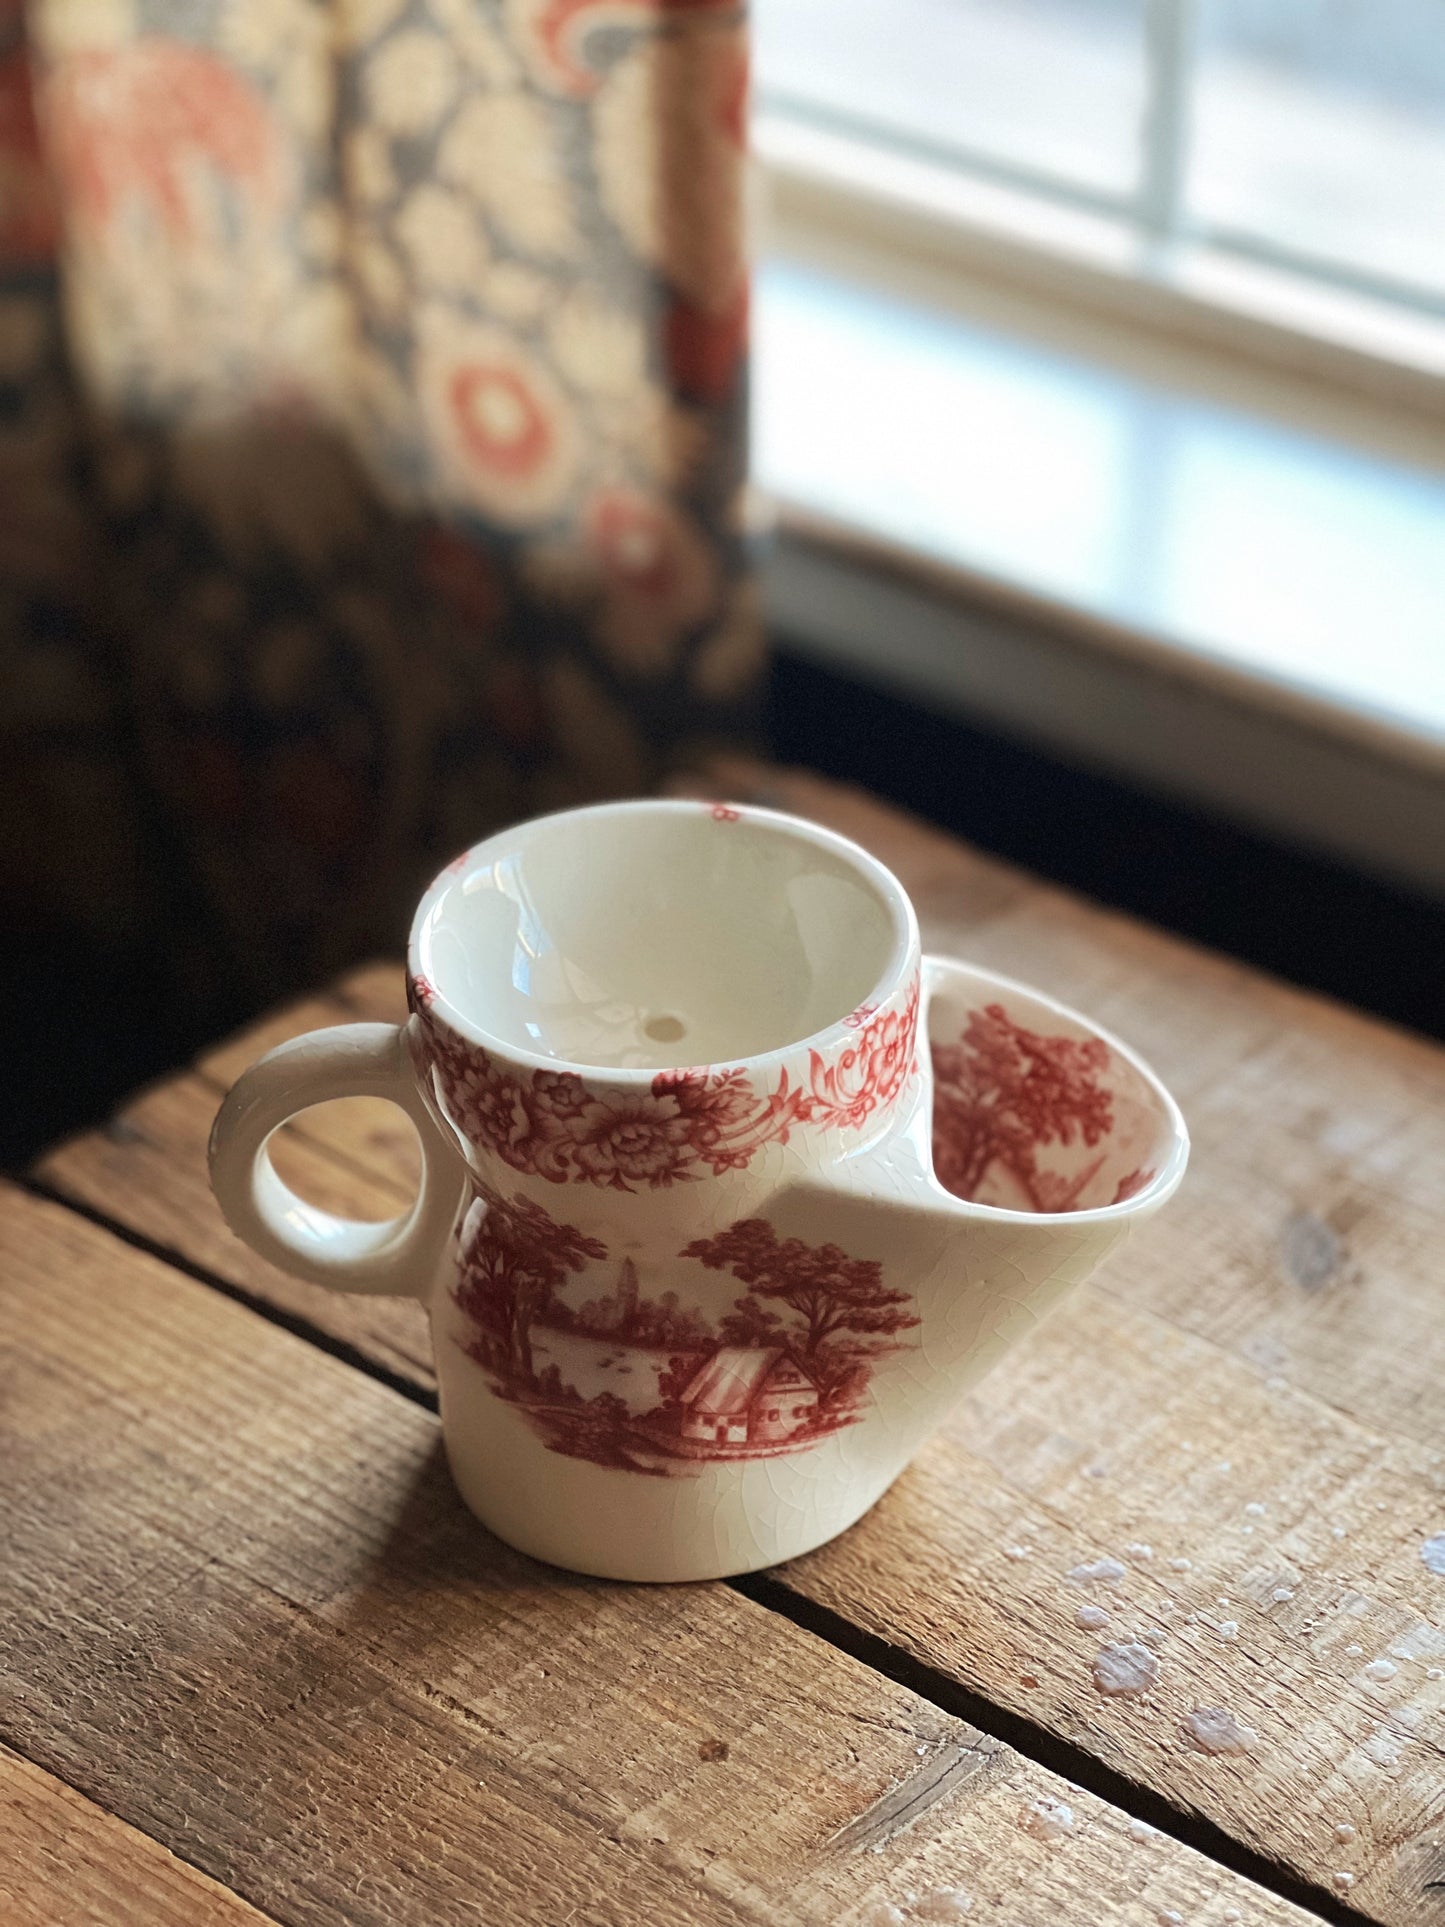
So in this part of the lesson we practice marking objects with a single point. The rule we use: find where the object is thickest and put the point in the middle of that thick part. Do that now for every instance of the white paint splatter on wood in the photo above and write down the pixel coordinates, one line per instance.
(1385, 1747)
(1213, 1730)
(945, 1903)
(1048, 1819)
(1125, 1669)
(1102, 1572)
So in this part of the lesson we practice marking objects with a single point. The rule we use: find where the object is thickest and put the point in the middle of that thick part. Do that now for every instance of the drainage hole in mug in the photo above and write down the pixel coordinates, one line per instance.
(664, 1029)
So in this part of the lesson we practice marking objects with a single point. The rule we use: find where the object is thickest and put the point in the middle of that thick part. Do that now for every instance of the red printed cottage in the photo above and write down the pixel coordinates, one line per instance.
(748, 1394)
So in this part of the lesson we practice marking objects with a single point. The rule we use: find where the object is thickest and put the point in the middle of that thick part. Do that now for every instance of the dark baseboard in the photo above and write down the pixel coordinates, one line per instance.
(1285, 910)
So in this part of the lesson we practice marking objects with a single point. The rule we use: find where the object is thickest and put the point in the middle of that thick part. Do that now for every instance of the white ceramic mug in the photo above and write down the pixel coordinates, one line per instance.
(709, 1245)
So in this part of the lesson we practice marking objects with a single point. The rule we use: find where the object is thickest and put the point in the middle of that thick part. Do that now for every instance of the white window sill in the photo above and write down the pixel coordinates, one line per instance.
(1158, 557)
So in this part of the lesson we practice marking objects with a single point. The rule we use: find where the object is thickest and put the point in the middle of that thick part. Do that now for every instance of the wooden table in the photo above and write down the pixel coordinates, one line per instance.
(259, 1664)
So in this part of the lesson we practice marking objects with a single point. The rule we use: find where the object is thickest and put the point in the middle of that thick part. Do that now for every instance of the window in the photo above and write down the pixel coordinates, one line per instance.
(1303, 137)
(1100, 384)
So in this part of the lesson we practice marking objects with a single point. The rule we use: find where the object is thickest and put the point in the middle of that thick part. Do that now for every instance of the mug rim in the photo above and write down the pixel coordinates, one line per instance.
(902, 964)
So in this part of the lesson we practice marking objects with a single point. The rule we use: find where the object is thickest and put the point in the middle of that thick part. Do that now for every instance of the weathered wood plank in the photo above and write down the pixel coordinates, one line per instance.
(245, 1613)
(1113, 1430)
(146, 1172)
(1287, 1299)
(65, 1863)
(376, 991)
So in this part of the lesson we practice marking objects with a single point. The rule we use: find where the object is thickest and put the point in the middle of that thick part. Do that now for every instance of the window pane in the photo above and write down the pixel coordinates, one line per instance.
(1320, 127)
(1052, 86)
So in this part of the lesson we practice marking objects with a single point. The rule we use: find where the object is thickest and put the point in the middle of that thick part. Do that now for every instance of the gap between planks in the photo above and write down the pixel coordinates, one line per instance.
(1037, 1743)
(297, 1549)
(58, 1842)
(772, 1592)
(294, 1322)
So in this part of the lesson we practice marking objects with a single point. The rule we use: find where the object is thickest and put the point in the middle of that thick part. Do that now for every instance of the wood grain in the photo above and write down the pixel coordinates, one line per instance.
(146, 1172)
(1279, 1321)
(65, 1863)
(245, 1613)
(1110, 1431)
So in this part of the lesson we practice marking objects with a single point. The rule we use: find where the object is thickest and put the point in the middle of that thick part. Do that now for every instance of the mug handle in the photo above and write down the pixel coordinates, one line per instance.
(350, 1060)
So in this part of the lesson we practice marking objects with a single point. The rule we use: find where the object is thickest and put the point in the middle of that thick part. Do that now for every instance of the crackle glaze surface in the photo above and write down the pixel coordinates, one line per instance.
(694, 1319)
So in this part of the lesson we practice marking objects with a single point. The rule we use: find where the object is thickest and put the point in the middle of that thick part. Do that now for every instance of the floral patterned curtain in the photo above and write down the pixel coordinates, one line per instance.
(386, 478)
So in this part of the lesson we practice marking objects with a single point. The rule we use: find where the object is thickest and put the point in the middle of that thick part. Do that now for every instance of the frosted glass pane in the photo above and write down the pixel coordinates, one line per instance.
(1055, 86)
(1320, 126)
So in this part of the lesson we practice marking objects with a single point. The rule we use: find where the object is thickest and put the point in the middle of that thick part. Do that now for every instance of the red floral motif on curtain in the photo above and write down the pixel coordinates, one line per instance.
(132, 123)
(560, 29)
(409, 463)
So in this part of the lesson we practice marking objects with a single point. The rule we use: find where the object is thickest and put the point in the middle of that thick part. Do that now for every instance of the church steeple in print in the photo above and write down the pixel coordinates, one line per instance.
(626, 1294)
(664, 1382)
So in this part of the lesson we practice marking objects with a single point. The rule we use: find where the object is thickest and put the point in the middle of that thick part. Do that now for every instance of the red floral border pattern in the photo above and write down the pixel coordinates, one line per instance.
(688, 1124)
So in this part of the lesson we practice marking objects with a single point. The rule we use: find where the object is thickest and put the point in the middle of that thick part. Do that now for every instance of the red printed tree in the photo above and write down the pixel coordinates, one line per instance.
(514, 1259)
(1002, 1092)
(829, 1291)
(751, 1323)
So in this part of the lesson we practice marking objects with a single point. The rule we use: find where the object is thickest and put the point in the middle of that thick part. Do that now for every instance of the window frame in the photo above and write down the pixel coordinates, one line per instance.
(1135, 255)
(1223, 325)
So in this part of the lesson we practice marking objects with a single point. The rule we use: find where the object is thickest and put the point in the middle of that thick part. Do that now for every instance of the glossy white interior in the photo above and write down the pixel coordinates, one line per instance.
(652, 935)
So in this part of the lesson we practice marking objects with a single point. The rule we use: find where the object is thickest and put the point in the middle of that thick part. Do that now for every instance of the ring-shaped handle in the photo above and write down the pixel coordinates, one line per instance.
(352, 1060)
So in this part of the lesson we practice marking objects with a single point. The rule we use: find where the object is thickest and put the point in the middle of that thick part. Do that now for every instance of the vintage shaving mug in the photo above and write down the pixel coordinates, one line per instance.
(710, 1244)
